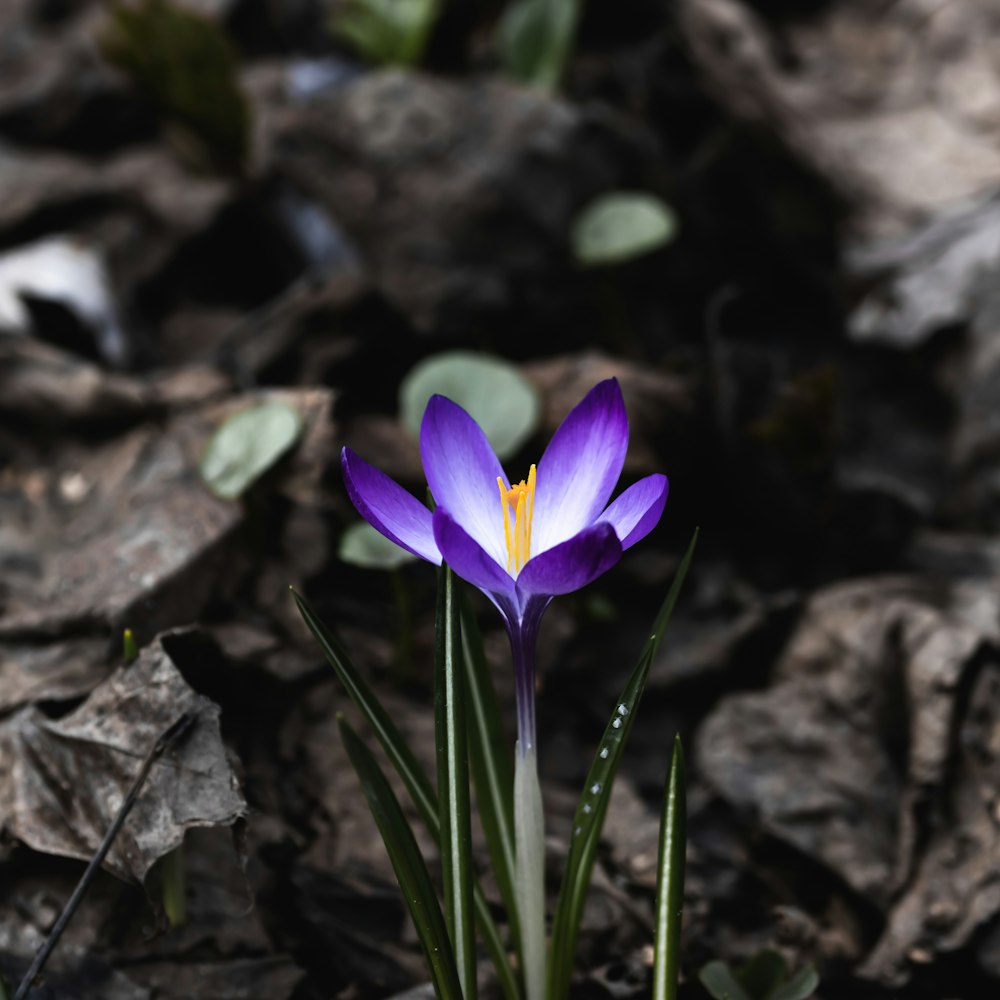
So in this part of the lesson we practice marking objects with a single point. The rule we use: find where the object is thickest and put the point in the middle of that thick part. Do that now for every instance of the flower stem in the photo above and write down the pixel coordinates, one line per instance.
(522, 648)
(529, 840)
(529, 823)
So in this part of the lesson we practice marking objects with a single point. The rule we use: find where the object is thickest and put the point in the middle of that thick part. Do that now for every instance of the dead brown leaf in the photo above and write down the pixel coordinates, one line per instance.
(898, 103)
(864, 756)
(62, 781)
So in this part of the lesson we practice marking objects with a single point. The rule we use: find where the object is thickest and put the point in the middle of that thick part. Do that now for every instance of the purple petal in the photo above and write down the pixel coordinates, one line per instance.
(462, 472)
(385, 505)
(471, 562)
(571, 564)
(580, 466)
(636, 512)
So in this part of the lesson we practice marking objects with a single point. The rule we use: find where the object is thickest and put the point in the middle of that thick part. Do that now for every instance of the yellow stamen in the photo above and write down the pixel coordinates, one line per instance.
(531, 509)
(506, 520)
(521, 499)
(519, 554)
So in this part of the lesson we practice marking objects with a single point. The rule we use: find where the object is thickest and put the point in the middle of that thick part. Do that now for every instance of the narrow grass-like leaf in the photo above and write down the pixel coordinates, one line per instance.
(408, 864)
(417, 783)
(491, 768)
(593, 805)
(670, 881)
(453, 780)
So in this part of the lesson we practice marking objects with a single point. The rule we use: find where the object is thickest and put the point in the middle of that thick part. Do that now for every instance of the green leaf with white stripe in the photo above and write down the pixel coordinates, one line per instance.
(670, 881)
(489, 756)
(593, 805)
(416, 781)
(408, 864)
(453, 780)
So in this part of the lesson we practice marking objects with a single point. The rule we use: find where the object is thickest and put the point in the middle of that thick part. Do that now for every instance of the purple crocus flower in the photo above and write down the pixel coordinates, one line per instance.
(520, 544)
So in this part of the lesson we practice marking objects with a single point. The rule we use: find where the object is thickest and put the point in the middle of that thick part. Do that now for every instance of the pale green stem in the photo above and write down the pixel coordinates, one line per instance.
(529, 841)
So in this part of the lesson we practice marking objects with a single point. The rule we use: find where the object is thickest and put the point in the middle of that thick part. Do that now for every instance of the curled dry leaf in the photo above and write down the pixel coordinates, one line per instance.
(953, 894)
(909, 823)
(62, 781)
(51, 671)
(929, 279)
(896, 103)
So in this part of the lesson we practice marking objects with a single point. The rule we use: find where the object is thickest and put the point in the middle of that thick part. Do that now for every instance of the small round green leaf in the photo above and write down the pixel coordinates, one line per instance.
(801, 986)
(492, 390)
(763, 973)
(361, 545)
(619, 226)
(721, 982)
(246, 445)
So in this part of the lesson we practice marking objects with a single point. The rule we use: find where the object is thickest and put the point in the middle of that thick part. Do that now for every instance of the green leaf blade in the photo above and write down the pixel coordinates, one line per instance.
(491, 767)
(593, 805)
(417, 784)
(408, 864)
(453, 780)
(670, 881)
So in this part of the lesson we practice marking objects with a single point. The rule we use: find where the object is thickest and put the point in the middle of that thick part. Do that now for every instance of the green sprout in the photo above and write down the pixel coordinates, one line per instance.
(765, 976)
(535, 38)
(187, 68)
(387, 32)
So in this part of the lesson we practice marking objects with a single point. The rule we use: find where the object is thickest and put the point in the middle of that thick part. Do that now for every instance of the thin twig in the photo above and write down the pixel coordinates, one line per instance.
(42, 956)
